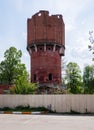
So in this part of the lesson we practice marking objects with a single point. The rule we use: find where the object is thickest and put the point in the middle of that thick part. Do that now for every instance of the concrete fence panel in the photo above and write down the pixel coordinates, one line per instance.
(58, 103)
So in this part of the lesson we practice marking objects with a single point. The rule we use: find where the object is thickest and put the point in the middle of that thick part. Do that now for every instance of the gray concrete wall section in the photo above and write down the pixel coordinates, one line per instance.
(58, 103)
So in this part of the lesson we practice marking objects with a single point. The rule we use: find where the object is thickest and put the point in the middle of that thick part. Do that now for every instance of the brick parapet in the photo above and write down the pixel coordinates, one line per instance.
(44, 28)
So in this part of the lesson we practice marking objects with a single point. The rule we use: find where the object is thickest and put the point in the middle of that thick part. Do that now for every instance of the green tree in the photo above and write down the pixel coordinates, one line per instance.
(73, 77)
(8, 67)
(24, 87)
(13, 72)
(88, 79)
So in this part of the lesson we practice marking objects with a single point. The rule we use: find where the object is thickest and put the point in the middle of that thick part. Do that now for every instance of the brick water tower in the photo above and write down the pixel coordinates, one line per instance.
(46, 45)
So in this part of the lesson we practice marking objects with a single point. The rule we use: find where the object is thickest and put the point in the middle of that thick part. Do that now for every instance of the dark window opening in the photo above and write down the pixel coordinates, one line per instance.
(50, 76)
(34, 77)
(49, 48)
(40, 48)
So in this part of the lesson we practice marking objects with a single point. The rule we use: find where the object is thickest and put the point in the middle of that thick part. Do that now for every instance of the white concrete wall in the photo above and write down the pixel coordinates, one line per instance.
(58, 103)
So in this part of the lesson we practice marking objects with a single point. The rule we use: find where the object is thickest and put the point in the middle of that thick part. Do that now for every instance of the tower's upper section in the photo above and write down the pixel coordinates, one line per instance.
(45, 28)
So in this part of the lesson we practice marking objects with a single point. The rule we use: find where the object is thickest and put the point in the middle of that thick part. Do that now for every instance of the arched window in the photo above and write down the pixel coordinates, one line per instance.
(50, 76)
(34, 77)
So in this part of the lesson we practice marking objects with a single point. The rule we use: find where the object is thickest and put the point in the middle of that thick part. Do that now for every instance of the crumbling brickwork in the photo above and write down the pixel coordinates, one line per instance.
(46, 45)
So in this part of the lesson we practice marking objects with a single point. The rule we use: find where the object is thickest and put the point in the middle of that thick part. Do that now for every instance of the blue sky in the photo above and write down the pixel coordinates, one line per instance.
(78, 16)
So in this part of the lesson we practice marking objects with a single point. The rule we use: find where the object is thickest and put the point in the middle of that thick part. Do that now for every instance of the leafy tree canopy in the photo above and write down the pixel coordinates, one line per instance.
(73, 77)
(13, 72)
(88, 79)
(10, 65)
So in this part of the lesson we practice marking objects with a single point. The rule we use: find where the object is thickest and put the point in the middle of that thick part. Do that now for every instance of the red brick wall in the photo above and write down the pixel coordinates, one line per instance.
(45, 63)
(42, 27)
(3, 87)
